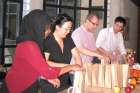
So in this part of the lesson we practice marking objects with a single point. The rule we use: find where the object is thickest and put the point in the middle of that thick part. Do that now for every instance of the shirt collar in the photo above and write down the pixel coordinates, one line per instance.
(111, 29)
(82, 26)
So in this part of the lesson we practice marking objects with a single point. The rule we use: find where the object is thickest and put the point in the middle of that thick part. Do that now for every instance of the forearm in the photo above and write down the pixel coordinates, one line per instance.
(101, 51)
(78, 61)
(76, 55)
(69, 68)
(65, 69)
(54, 64)
(89, 52)
(104, 52)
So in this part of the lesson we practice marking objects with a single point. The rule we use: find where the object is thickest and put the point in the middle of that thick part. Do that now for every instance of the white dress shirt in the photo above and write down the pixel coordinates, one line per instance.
(110, 41)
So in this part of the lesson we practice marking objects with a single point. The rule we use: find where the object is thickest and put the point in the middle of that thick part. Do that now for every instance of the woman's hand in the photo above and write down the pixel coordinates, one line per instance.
(54, 82)
(76, 67)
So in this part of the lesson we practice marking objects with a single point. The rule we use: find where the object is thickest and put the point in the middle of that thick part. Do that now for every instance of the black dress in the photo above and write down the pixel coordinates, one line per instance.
(56, 55)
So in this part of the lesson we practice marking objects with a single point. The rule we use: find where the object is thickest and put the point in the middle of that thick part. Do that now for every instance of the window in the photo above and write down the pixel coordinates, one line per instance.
(12, 23)
(1, 25)
(26, 7)
(10, 17)
(77, 9)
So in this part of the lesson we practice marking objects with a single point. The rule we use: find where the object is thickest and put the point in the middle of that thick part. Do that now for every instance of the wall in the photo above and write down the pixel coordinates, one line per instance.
(29, 5)
(127, 9)
(36, 4)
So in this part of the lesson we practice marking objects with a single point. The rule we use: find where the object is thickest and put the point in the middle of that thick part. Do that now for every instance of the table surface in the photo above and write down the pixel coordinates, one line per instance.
(107, 90)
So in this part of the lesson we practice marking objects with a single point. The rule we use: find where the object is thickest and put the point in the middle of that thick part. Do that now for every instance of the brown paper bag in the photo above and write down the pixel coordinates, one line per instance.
(79, 84)
(120, 75)
(95, 69)
(125, 74)
(88, 74)
(79, 80)
(101, 75)
(108, 79)
(116, 74)
(103, 61)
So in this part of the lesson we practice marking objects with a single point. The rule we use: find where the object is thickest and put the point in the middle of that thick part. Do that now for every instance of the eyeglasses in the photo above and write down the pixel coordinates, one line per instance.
(93, 23)
(66, 29)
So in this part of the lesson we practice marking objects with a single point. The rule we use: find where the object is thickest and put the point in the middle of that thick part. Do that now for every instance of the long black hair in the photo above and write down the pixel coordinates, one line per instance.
(33, 27)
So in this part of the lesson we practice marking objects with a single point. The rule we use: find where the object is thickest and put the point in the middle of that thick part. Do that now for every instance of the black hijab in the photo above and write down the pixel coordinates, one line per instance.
(33, 27)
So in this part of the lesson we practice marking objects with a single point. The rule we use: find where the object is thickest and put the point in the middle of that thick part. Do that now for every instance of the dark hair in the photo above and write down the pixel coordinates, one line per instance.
(121, 20)
(92, 14)
(33, 27)
(60, 19)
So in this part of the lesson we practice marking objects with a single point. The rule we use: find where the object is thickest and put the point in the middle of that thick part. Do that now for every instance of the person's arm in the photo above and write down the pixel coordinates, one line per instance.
(77, 40)
(76, 56)
(100, 42)
(36, 61)
(104, 52)
(54, 64)
(69, 68)
(65, 69)
(89, 52)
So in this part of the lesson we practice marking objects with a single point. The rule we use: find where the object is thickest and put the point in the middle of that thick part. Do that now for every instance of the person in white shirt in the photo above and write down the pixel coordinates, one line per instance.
(110, 40)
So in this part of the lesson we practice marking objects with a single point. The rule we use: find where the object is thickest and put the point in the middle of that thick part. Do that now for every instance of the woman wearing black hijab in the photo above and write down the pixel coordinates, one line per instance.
(29, 63)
